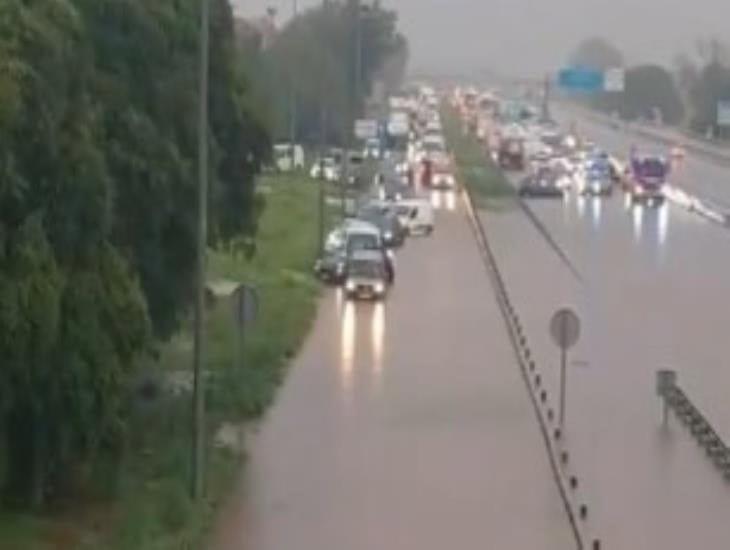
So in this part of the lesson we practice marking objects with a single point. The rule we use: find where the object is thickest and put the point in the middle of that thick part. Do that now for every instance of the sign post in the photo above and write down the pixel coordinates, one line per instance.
(723, 112)
(245, 311)
(614, 80)
(565, 330)
(666, 380)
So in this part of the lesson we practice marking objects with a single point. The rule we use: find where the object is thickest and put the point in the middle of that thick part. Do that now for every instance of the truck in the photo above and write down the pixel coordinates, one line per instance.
(646, 178)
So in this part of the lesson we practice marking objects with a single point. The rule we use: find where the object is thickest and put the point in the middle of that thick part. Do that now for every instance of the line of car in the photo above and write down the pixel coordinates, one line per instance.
(554, 162)
(359, 253)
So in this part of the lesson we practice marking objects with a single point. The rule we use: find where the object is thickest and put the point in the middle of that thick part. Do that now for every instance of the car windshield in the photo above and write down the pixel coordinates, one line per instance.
(362, 241)
(365, 268)
(651, 168)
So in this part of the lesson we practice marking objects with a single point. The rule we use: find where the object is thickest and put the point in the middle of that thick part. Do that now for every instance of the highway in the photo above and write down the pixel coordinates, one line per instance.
(403, 425)
(652, 293)
(703, 177)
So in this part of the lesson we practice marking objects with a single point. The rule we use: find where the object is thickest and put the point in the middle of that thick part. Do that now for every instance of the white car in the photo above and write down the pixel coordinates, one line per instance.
(288, 157)
(327, 169)
(416, 215)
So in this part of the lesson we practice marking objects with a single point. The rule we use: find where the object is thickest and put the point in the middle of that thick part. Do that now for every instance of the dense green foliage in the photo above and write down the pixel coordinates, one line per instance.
(313, 65)
(97, 211)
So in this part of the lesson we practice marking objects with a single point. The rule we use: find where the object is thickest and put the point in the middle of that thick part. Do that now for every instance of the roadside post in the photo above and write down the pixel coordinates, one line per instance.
(245, 312)
(666, 381)
(565, 331)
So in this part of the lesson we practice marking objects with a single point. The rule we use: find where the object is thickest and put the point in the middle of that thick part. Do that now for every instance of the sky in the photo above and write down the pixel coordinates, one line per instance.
(531, 37)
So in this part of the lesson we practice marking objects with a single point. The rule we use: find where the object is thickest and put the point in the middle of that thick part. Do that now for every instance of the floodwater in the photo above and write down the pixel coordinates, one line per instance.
(652, 294)
(403, 425)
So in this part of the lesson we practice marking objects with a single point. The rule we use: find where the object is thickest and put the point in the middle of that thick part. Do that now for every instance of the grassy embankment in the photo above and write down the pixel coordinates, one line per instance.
(487, 184)
(147, 506)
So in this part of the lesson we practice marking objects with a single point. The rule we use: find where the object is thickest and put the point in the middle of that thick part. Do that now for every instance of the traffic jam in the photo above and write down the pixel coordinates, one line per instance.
(413, 177)
(545, 161)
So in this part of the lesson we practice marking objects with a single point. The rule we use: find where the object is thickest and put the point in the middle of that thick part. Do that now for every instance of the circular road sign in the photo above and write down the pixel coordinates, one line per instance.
(565, 328)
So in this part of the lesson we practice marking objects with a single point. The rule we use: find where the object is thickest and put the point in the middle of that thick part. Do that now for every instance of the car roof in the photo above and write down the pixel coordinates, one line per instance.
(354, 225)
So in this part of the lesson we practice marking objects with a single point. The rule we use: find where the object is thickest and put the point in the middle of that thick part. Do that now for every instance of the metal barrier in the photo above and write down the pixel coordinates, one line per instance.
(566, 481)
(698, 425)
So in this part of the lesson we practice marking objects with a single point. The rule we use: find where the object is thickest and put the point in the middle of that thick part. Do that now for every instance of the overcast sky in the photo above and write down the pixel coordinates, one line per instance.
(536, 35)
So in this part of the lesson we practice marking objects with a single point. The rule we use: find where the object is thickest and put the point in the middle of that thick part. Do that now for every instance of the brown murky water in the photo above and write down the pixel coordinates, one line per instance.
(655, 295)
(403, 425)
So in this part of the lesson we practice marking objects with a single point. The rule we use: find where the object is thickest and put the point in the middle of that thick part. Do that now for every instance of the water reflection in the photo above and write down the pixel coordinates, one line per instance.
(378, 339)
(596, 209)
(451, 201)
(651, 223)
(637, 219)
(347, 346)
(580, 202)
(443, 200)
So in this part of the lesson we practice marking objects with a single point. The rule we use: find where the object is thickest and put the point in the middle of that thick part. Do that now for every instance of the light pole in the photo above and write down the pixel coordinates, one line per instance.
(353, 102)
(293, 95)
(198, 447)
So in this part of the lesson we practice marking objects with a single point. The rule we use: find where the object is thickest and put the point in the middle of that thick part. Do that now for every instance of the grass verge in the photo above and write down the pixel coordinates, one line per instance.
(142, 501)
(487, 184)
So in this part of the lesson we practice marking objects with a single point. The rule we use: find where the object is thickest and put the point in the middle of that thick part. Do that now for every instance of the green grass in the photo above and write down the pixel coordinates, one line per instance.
(146, 506)
(487, 184)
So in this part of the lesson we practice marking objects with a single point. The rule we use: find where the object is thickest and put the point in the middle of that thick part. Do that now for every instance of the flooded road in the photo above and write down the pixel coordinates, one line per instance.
(696, 174)
(653, 293)
(403, 425)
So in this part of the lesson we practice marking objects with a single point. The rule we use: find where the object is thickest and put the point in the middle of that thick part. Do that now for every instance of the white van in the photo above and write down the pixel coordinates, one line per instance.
(288, 157)
(416, 215)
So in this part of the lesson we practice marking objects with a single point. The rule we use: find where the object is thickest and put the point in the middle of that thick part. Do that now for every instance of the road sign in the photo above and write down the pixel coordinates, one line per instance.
(246, 304)
(366, 128)
(581, 79)
(565, 328)
(723, 112)
(614, 80)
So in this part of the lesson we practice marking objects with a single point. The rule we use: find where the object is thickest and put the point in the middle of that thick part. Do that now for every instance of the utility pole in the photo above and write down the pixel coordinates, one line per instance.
(353, 106)
(320, 199)
(293, 95)
(198, 450)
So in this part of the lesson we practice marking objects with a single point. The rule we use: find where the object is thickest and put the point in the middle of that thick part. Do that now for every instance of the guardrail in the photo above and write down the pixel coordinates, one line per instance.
(688, 142)
(701, 428)
(559, 457)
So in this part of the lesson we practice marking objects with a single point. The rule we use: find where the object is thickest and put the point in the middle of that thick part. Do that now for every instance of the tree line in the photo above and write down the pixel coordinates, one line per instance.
(687, 93)
(97, 211)
(326, 62)
(98, 192)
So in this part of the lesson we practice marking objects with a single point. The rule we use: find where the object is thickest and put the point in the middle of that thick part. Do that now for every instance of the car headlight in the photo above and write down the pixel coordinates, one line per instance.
(639, 190)
(379, 288)
(388, 235)
(350, 286)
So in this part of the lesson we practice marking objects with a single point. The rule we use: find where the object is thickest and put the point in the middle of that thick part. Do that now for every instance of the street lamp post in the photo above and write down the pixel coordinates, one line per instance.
(198, 447)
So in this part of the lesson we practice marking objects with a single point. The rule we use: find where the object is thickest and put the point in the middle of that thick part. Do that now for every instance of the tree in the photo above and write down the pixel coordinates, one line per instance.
(316, 55)
(98, 102)
(647, 88)
(72, 318)
(712, 86)
(597, 53)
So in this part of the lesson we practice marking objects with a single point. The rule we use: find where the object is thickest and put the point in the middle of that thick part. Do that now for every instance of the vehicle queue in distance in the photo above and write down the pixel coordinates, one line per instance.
(550, 162)
(412, 160)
